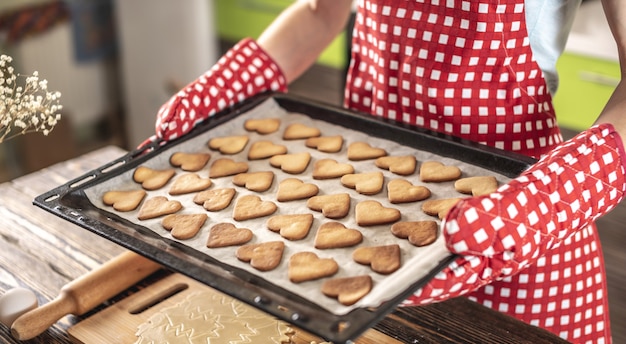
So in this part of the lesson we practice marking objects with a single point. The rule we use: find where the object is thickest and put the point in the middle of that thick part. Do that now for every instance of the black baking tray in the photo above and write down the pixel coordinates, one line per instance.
(69, 202)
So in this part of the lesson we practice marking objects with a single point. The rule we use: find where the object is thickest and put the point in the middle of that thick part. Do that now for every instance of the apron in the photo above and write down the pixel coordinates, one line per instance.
(465, 68)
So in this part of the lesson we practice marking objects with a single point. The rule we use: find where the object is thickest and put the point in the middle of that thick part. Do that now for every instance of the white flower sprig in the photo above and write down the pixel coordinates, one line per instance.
(25, 108)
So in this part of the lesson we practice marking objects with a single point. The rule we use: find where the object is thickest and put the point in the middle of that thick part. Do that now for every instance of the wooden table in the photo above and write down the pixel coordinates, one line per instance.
(42, 252)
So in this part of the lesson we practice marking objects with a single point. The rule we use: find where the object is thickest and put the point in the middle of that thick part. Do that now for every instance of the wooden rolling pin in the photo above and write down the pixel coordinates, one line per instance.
(85, 293)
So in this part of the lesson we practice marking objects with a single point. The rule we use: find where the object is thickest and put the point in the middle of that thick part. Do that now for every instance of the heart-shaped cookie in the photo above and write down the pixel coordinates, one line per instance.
(336, 235)
(347, 290)
(291, 226)
(436, 172)
(124, 200)
(292, 189)
(190, 162)
(326, 144)
(265, 149)
(189, 183)
(263, 256)
(439, 207)
(298, 131)
(291, 163)
(477, 186)
(262, 126)
(419, 233)
(402, 191)
(333, 206)
(255, 181)
(226, 234)
(226, 167)
(366, 183)
(216, 199)
(363, 151)
(402, 165)
(371, 213)
(152, 179)
(229, 144)
(184, 226)
(329, 168)
(158, 206)
(307, 266)
(251, 207)
(382, 259)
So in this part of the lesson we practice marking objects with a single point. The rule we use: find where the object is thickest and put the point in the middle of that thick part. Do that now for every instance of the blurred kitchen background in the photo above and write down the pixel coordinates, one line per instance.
(116, 61)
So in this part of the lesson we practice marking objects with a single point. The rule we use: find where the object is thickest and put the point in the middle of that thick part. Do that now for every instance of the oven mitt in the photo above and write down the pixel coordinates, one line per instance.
(244, 71)
(500, 234)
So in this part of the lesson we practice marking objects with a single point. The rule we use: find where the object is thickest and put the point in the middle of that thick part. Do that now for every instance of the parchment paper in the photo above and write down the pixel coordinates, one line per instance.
(416, 262)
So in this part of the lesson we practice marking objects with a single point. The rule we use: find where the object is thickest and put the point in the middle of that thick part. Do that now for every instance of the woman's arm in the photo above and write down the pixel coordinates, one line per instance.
(296, 38)
(615, 110)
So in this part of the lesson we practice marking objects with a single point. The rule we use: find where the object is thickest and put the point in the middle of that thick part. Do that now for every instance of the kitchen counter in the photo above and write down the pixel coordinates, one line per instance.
(42, 252)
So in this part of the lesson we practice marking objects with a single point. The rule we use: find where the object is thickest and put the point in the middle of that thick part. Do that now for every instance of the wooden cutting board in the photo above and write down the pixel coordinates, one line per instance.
(119, 322)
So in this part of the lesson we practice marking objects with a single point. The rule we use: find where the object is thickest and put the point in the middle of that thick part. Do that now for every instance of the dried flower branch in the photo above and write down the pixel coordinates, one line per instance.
(25, 108)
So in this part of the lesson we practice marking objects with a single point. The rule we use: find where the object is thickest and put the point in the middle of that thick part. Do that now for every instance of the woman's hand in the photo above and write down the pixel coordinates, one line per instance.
(245, 70)
(500, 234)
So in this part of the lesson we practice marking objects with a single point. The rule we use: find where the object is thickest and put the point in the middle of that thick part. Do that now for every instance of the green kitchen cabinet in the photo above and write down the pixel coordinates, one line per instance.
(585, 85)
(237, 19)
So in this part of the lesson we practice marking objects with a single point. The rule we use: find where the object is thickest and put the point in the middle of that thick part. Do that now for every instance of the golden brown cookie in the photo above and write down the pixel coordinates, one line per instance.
(184, 226)
(265, 149)
(326, 144)
(419, 233)
(434, 171)
(402, 191)
(262, 126)
(264, 256)
(189, 183)
(226, 234)
(216, 199)
(291, 226)
(439, 207)
(402, 165)
(255, 181)
(336, 235)
(158, 206)
(371, 213)
(292, 189)
(363, 151)
(291, 163)
(229, 144)
(382, 259)
(329, 168)
(477, 186)
(298, 131)
(307, 266)
(251, 207)
(366, 183)
(333, 206)
(348, 290)
(152, 179)
(190, 162)
(124, 200)
(226, 167)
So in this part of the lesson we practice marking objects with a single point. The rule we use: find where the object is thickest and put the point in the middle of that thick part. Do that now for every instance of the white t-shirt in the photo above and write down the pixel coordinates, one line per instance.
(549, 23)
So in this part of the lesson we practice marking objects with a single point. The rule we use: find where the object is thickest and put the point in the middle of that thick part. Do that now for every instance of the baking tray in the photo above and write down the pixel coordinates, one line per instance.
(69, 201)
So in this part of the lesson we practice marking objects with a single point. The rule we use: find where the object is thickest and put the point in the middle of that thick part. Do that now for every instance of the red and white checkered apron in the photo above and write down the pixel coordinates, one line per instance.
(465, 68)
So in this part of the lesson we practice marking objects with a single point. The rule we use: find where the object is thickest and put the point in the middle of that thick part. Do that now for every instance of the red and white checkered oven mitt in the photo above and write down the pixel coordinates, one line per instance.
(244, 71)
(500, 234)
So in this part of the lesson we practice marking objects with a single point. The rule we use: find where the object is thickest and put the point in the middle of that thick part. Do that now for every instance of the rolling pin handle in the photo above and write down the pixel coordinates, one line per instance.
(85, 293)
